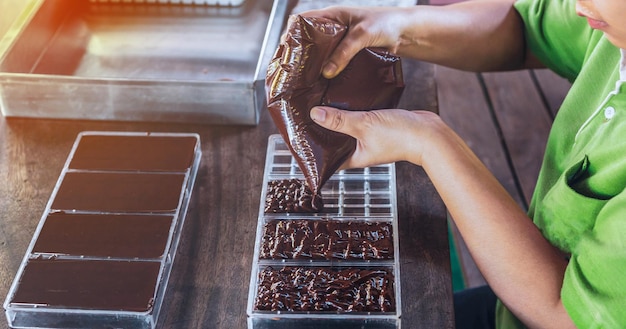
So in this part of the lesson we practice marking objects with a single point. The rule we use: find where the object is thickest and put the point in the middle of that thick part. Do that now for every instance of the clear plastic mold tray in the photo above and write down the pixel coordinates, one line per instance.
(359, 205)
(102, 253)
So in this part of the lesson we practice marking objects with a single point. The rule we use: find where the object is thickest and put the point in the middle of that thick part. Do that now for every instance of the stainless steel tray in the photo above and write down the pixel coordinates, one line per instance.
(81, 59)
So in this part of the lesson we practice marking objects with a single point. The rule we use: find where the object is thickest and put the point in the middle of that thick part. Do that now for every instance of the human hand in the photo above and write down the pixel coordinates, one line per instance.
(383, 136)
(367, 27)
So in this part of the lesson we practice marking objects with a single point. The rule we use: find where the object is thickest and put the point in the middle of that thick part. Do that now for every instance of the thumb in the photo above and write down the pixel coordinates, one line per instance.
(341, 56)
(331, 118)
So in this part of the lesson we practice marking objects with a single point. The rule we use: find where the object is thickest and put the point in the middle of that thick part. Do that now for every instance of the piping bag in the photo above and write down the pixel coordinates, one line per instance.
(294, 84)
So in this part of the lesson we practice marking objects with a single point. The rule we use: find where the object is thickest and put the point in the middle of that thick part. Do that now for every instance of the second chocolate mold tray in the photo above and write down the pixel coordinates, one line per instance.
(104, 248)
(336, 267)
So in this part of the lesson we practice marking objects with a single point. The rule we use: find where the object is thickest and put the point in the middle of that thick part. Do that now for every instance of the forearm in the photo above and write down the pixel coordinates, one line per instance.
(477, 35)
(522, 267)
(524, 270)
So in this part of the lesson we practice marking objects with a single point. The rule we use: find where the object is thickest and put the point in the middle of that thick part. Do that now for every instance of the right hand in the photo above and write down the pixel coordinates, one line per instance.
(384, 136)
(367, 27)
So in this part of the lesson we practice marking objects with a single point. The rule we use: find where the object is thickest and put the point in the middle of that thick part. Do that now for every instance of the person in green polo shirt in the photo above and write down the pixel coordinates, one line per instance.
(562, 264)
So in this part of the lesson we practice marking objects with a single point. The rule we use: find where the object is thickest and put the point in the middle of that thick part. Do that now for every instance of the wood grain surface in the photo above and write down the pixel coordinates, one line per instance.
(210, 278)
(511, 114)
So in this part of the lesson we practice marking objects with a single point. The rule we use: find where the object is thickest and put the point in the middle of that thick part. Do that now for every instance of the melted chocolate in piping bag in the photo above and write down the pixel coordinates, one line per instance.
(294, 84)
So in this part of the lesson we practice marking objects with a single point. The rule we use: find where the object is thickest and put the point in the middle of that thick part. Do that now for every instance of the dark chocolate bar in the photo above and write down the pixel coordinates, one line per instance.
(134, 153)
(89, 284)
(119, 192)
(321, 289)
(105, 235)
(326, 239)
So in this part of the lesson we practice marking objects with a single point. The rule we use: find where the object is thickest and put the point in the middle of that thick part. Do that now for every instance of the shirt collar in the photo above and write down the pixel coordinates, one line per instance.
(622, 66)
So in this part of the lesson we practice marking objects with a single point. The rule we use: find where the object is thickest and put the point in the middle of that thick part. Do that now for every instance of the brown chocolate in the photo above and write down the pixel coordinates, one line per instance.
(134, 153)
(119, 192)
(326, 239)
(294, 84)
(104, 235)
(102, 247)
(291, 195)
(321, 289)
(88, 284)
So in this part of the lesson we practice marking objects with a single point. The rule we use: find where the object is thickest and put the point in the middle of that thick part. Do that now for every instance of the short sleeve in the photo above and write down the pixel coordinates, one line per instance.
(594, 287)
(556, 34)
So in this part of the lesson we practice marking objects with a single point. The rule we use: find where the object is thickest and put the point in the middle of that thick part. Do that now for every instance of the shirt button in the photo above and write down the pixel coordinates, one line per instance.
(609, 112)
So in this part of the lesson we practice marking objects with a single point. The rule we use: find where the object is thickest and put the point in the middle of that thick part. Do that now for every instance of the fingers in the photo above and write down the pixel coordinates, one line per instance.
(348, 47)
(331, 12)
(366, 127)
(332, 119)
(382, 136)
(336, 120)
(341, 56)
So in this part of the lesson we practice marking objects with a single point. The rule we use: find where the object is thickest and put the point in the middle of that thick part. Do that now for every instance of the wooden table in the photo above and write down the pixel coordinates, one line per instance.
(209, 283)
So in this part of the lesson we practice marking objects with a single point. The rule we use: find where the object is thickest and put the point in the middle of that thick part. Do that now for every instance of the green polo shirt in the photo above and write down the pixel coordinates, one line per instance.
(579, 203)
